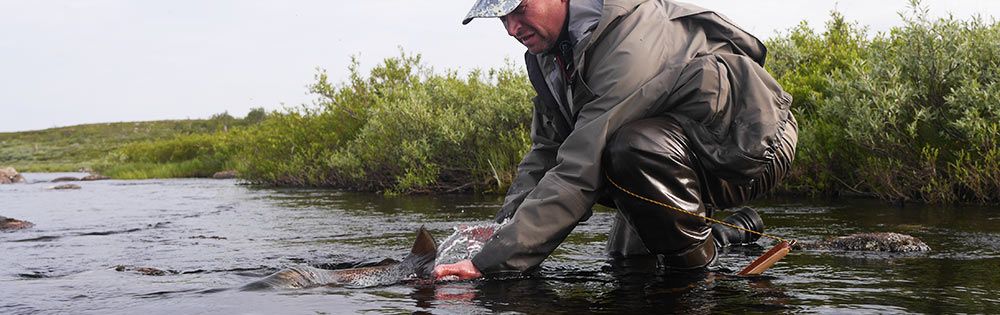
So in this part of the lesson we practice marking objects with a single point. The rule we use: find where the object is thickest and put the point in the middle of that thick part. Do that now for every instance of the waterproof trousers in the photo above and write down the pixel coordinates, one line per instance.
(652, 158)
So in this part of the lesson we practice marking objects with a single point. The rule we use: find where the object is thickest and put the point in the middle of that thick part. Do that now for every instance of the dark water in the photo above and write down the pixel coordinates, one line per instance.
(210, 235)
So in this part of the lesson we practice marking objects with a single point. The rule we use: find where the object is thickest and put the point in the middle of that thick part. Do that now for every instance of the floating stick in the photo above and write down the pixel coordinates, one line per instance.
(764, 262)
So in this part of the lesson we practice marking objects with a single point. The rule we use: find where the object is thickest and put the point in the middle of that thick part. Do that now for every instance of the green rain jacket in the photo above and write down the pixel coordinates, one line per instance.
(638, 59)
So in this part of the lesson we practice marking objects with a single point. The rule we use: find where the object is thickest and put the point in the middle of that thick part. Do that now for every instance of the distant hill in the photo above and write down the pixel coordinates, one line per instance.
(82, 146)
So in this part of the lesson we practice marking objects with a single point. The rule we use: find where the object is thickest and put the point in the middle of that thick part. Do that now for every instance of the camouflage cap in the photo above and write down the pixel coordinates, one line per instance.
(490, 8)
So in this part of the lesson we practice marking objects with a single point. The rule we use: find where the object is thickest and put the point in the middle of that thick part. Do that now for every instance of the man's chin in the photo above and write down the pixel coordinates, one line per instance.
(537, 49)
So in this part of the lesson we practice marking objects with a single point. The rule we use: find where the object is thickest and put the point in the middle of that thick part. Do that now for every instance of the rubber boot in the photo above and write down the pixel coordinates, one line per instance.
(745, 218)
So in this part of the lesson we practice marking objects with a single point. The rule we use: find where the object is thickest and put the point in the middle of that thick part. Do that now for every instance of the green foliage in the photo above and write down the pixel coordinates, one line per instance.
(401, 129)
(804, 62)
(84, 146)
(908, 115)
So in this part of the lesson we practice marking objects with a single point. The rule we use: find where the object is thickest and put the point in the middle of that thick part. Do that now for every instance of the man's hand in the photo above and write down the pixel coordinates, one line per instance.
(463, 270)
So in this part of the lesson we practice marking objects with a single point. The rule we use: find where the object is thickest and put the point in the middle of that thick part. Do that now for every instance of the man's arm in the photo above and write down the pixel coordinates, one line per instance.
(628, 78)
(536, 162)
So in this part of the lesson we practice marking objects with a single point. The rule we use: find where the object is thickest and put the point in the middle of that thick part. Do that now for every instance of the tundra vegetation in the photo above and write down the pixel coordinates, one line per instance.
(908, 115)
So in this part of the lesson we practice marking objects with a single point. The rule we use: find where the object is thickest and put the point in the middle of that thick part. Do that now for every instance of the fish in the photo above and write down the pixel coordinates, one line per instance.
(418, 264)
(465, 242)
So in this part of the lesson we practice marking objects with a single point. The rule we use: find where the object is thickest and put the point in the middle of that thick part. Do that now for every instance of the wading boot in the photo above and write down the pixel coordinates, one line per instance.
(746, 218)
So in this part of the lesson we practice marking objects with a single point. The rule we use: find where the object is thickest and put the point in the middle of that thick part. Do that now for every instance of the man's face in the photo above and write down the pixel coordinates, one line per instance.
(536, 23)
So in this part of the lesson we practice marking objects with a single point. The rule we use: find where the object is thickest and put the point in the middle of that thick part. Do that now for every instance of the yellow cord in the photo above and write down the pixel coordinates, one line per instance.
(694, 214)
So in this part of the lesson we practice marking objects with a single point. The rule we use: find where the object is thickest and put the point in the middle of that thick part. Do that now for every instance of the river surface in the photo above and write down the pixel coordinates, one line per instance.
(210, 236)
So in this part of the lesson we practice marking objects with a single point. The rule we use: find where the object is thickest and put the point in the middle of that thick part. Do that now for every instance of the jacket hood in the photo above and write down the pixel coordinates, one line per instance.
(748, 44)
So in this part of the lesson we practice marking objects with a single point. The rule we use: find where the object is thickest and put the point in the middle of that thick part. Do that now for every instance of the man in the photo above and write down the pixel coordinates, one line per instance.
(659, 109)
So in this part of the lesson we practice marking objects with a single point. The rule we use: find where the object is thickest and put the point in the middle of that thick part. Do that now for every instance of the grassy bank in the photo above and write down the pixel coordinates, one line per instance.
(105, 146)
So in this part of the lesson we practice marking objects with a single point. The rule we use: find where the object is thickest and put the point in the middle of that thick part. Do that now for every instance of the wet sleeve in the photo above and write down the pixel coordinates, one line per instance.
(539, 159)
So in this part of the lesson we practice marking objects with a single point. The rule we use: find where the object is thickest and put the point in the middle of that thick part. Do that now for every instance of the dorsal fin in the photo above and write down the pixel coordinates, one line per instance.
(424, 244)
(422, 255)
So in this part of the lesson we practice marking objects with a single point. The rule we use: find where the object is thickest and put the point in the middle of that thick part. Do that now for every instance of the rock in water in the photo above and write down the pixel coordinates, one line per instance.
(230, 174)
(93, 177)
(9, 224)
(8, 175)
(66, 179)
(873, 242)
(65, 187)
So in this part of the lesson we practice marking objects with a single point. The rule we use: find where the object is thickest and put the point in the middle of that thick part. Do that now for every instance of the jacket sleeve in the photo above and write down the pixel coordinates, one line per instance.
(536, 162)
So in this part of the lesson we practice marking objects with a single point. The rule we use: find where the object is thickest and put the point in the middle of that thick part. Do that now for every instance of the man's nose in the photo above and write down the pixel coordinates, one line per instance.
(511, 25)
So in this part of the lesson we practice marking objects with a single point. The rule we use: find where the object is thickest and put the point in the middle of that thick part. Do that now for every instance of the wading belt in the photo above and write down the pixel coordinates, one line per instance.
(756, 267)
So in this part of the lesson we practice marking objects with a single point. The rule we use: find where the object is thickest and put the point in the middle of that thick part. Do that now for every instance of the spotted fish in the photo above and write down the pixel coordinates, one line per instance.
(418, 264)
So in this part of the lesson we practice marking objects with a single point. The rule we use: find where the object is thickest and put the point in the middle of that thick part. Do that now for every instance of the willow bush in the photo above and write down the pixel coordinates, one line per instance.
(401, 129)
(912, 114)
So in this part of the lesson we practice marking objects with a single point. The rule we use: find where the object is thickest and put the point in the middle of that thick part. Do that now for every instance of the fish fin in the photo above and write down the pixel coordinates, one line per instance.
(423, 254)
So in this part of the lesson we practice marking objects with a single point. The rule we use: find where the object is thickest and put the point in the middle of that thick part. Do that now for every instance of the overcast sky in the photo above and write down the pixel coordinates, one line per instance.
(85, 61)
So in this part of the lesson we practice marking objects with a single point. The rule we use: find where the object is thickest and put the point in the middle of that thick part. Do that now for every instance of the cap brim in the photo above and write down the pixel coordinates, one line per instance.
(490, 9)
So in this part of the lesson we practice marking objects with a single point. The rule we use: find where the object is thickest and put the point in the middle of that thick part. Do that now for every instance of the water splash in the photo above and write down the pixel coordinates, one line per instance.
(465, 242)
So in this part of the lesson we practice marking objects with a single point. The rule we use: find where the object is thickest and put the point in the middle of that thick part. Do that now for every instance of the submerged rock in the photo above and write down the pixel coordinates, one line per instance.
(230, 174)
(94, 176)
(874, 242)
(146, 271)
(150, 271)
(66, 179)
(8, 175)
(10, 224)
(65, 187)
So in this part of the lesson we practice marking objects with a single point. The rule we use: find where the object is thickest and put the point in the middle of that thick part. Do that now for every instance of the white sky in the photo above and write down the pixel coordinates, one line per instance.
(85, 61)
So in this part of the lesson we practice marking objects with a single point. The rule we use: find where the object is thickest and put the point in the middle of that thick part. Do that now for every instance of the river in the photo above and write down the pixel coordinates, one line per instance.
(210, 236)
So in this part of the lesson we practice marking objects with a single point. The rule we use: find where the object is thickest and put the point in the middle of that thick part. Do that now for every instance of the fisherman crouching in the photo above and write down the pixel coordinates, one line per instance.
(660, 109)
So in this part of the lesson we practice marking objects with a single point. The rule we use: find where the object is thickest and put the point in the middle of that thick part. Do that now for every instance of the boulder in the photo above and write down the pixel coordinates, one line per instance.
(93, 177)
(66, 179)
(869, 242)
(8, 175)
(9, 224)
(65, 187)
(230, 174)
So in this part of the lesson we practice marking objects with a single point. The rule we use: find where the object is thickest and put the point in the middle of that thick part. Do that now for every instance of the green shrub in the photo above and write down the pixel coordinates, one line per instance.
(195, 155)
(908, 115)
(401, 129)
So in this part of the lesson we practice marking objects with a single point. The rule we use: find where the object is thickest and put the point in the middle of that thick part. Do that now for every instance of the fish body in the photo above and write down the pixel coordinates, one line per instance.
(418, 264)
(464, 243)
